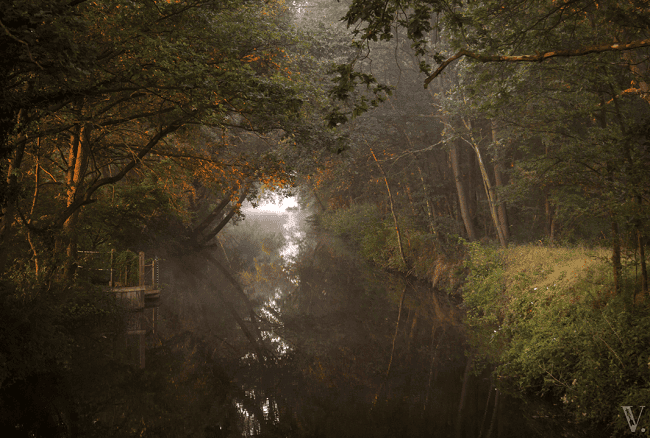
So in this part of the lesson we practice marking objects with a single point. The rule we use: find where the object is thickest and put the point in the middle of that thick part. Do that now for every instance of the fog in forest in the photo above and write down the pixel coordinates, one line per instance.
(320, 218)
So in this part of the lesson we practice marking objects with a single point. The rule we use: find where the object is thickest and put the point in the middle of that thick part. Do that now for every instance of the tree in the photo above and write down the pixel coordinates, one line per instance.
(123, 121)
(96, 89)
(553, 74)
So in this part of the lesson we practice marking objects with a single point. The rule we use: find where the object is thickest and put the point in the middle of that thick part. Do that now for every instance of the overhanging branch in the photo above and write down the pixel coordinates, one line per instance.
(539, 57)
(87, 196)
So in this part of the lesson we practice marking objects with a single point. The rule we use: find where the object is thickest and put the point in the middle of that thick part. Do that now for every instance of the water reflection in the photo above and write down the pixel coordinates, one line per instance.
(360, 352)
(282, 216)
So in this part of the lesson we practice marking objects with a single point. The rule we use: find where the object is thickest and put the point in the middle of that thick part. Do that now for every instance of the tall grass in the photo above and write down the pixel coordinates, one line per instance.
(550, 319)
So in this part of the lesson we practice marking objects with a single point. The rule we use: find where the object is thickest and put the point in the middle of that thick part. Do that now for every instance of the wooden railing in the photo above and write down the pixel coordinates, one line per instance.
(142, 296)
(140, 300)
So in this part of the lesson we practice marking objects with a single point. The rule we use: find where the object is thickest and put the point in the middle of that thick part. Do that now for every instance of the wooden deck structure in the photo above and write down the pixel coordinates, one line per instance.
(141, 300)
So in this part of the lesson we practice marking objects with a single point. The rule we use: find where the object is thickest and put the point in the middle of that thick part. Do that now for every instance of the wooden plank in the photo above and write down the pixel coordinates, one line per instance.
(128, 289)
(136, 332)
(146, 289)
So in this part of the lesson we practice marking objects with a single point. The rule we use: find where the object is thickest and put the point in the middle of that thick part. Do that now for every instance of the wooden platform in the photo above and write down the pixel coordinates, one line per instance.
(137, 297)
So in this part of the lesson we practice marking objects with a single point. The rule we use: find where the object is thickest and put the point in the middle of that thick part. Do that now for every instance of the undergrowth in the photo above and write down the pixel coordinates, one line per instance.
(550, 319)
(428, 257)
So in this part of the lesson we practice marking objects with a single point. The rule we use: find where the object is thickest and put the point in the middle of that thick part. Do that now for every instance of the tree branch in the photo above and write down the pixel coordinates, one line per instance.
(86, 199)
(227, 218)
(539, 57)
(29, 52)
(210, 217)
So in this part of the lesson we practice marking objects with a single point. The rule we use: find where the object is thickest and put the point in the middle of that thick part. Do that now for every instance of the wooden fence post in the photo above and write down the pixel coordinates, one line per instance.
(141, 309)
(141, 269)
(154, 286)
(111, 282)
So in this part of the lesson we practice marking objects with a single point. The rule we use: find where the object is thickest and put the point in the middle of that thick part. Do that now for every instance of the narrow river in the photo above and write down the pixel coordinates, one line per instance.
(361, 352)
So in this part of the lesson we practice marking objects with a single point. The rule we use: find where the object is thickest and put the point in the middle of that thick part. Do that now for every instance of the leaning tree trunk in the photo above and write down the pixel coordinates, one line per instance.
(460, 189)
(489, 190)
(499, 183)
(392, 209)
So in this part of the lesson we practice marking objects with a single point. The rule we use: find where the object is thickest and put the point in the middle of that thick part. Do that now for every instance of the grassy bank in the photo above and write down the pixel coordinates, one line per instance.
(550, 319)
(547, 316)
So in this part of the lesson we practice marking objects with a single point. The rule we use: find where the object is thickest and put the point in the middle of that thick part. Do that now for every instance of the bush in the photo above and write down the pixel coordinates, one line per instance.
(431, 257)
(548, 316)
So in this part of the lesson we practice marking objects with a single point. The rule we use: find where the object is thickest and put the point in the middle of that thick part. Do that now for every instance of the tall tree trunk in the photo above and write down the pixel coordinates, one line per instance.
(392, 209)
(455, 168)
(77, 166)
(499, 183)
(489, 190)
(549, 211)
(549, 224)
(617, 268)
(460, 189)
(30, 233)
(424, 184)
(472, 190)
(410, 198)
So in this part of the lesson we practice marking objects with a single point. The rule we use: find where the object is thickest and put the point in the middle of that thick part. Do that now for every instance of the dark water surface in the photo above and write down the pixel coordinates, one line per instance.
(351, 363)
(356, 352)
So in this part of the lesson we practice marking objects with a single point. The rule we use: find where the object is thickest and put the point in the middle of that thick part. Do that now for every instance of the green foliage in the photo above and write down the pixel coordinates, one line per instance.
(346, 82)
(557, 331)
(374, 236)
(365, 227)
(484, 284)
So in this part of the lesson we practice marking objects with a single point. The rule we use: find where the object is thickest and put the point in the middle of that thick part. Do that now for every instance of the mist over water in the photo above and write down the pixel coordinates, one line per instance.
(283, 213)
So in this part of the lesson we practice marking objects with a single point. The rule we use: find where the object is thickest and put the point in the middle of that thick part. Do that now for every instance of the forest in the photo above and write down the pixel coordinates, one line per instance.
(472, 187)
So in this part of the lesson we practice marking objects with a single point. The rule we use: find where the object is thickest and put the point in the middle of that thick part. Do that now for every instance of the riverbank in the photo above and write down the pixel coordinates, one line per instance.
(550, 319)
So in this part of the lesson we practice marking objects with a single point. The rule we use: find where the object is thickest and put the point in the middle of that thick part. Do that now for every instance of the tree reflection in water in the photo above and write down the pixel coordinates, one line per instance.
(335, 328)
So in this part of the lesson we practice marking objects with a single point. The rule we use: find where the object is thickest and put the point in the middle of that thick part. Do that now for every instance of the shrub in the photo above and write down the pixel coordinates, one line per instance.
(549, 318)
